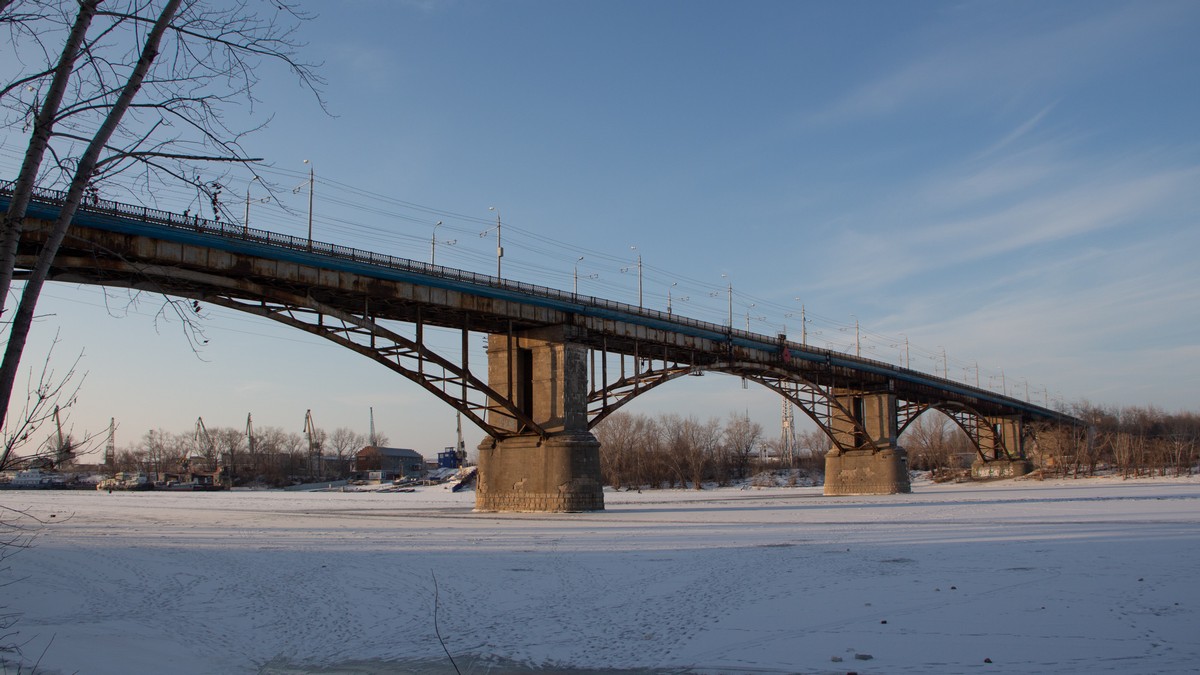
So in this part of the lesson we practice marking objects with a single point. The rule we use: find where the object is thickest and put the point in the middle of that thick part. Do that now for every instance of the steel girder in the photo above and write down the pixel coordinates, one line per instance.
(411, 358)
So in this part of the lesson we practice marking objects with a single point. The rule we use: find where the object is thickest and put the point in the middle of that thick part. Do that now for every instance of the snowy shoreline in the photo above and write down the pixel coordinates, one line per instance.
(1064, 576)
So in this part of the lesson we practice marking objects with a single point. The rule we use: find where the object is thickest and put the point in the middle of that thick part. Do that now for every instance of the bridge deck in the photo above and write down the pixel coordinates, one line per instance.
(125, 245)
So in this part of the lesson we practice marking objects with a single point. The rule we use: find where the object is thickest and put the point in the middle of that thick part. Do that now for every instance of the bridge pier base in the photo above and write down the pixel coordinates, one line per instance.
(545, 374)
(561, 473)
(875, 464)
(867, 472)
(1000, 468)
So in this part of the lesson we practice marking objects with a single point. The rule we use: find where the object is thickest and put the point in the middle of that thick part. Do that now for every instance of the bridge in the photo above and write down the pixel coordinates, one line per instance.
(557, 362)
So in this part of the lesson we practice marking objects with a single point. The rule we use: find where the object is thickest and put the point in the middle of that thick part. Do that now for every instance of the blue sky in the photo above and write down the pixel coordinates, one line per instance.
(1015, 183)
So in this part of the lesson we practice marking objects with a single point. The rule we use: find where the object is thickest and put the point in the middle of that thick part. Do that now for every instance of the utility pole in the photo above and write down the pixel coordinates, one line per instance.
(312, 181)
(310, 430)
(250, 434)
(499, 248)
(373, 438)
(787, 441)
(461, 448)
(110, 449)
(639, 280)
(63, 452)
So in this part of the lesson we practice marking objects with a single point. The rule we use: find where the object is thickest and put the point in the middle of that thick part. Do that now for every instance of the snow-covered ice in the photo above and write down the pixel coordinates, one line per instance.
(1071, 576)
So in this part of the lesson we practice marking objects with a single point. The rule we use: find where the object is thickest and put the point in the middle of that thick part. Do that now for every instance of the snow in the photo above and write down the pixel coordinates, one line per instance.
(1070, 576)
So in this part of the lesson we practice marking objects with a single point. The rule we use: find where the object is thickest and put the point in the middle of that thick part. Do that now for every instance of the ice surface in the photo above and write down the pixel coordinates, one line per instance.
(1083, 576)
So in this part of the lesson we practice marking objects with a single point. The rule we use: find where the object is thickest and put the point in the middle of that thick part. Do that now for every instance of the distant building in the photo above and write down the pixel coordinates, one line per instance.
(384, 464)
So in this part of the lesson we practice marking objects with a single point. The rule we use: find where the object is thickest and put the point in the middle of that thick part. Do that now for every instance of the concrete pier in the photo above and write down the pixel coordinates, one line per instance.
(545, 375)
(874, 464)
(561, 473)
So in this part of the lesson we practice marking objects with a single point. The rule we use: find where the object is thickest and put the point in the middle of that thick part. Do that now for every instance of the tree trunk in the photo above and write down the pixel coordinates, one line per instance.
(83, 173)
(43, 127)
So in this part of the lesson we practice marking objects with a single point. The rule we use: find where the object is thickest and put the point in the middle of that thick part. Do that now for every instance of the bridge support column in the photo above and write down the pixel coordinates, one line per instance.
(545, 376)
(1002, 451)
(874, 464)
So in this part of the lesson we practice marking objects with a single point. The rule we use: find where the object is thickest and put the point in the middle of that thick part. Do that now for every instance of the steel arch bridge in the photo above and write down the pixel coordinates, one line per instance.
(382, 307)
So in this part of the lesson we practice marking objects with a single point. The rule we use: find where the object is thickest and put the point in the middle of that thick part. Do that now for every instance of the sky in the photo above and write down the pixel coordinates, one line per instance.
(1010, 188)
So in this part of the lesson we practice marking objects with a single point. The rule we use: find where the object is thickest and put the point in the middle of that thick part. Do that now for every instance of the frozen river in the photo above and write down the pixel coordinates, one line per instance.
(1087, 576)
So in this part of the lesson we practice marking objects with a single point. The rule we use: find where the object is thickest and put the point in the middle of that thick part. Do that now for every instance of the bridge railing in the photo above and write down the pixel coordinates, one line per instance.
(195, 223)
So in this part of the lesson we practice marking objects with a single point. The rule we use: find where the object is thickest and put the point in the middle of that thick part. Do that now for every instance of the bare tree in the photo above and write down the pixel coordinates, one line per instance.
(272, 446)
(48, 393)
(228, 443)
(162, 452)
(742, 437)
(161, 116)
(814, 444)
(932, 443)
(344, 442)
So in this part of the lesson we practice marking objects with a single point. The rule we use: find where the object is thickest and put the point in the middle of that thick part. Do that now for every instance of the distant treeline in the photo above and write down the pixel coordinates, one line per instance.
(674, 451)
(269, 456)
(1133, 441)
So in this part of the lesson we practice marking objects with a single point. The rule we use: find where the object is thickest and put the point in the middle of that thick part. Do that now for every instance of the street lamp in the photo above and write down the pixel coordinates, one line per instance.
(681, 299)
(499, 248)
(857, 341)
(803, 323)
(639, 271)
(748, 317)
(729, 289)
(312, 179)
(575, 287)
(433, 243)
(246, 220)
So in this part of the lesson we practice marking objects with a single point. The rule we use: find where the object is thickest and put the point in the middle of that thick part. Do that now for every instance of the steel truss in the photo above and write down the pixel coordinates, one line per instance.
(412, 358)
(971, 421)
(604, 400)
(815, 400)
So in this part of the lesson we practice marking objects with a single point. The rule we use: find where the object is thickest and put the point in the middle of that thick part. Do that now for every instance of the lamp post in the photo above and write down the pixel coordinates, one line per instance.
(499, 248)
(857, 341)
(246, 220)
(729, 290)
(803, 323)
(575, 286)
(639, 271)
(681, 299)
(433, 244)
(312, 180)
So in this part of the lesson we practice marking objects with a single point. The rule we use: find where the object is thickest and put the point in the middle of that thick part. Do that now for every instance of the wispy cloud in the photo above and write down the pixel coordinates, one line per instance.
(1018, 133)
(997, 65)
